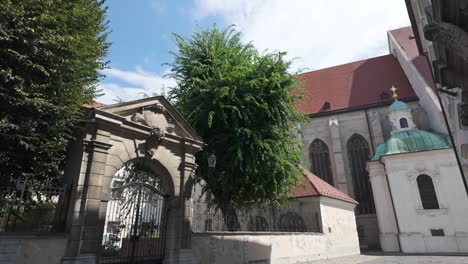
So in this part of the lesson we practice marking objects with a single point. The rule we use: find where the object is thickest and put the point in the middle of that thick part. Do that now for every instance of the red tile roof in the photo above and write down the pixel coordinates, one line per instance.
(354, 84)
(312, 185)
(93, 105)
(405, 38)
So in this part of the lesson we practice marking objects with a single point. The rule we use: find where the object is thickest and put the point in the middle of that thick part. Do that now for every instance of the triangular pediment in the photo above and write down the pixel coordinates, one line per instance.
(154, 112)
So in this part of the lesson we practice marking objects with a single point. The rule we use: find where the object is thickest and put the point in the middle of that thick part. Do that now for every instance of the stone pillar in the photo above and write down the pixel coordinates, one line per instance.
(187, 201)
(189, 165)
(86, 220)
(340, 177)
(464, 159)
(376, 129)
(388, 234)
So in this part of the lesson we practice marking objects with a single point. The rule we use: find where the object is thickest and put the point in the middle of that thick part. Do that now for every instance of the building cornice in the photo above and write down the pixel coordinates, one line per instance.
(362, 107)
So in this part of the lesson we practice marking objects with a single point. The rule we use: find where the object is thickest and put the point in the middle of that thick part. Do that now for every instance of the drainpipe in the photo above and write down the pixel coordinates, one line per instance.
(457, 157)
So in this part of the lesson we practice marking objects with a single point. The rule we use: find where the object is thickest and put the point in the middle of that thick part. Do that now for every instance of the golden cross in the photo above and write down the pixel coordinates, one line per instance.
(395, 95)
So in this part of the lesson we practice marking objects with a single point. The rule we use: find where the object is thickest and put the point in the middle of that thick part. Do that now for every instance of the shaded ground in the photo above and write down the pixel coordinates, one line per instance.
(380, 258)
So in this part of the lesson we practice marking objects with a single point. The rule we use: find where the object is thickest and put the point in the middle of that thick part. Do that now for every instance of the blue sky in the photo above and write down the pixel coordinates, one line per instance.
(142, 31)
(317, 33)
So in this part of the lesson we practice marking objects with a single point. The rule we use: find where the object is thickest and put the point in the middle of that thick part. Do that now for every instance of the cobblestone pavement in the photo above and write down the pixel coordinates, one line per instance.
(379, 258)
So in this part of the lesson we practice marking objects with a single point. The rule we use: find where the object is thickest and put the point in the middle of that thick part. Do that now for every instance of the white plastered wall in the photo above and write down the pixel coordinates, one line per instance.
(338, 240)
(415, 223)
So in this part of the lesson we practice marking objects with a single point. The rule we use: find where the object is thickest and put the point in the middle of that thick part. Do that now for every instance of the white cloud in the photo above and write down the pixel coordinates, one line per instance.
(131, 85)
(158, 5)
(318, 33)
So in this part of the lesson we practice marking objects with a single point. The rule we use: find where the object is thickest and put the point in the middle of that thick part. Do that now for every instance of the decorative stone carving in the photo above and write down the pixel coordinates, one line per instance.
(333, 121)
(391, 170)
(375, 169)
(433, 172)
(154, 140)
(154, 116)
(448, 35)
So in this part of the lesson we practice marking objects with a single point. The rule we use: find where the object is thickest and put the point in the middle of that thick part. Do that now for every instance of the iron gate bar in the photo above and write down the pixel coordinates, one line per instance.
(135, 226)
(141, 242)
(140, 184)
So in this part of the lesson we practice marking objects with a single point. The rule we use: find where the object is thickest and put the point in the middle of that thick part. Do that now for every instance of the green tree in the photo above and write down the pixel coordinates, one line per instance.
(50, 55)
(240, 102)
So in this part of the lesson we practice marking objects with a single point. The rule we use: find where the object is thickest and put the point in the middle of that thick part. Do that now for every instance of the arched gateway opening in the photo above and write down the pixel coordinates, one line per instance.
(136, 216)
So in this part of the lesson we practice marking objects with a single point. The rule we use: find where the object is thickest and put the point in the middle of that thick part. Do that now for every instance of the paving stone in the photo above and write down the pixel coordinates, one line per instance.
(379, 258)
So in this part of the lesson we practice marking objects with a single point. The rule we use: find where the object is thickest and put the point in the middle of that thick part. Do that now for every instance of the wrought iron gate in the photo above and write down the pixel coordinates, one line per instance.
(135, 225)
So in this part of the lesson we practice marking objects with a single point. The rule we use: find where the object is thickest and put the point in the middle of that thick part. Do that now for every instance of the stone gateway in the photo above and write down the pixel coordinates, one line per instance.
(105, 203)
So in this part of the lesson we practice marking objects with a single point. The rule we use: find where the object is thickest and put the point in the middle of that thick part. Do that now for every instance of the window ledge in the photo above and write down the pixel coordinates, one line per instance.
(432, 212)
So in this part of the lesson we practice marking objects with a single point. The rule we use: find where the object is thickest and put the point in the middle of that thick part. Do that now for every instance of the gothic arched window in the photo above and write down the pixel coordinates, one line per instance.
(403, 123)
(358, 154)
(427, 192)
(320, 160)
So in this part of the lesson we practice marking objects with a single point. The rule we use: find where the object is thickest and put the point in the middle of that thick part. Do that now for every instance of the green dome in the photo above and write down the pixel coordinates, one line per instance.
(412, 141)
(398, 105)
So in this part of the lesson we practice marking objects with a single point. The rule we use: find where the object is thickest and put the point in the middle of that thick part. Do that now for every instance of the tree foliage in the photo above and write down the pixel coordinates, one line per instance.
(50, 54)
(240, 102)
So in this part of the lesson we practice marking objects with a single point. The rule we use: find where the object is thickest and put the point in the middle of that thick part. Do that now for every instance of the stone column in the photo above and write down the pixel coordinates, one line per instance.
(187, 201)
(376, 129)
(464, 159)
(340, 177)
(178, 241)
(86, 223)
(388, 234)
(185, 254)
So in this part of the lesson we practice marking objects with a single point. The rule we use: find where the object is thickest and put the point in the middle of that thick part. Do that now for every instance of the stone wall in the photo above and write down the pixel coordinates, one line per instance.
(339, 238)
(28, 249)
(368, 228)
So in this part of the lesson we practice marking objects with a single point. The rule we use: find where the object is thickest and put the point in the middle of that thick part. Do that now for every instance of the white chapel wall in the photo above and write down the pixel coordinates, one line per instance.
(339, 227)
(415, 223)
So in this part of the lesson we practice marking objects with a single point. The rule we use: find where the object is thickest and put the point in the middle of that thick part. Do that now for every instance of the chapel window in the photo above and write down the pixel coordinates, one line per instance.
(403, 123)
(320, 160)
(427, 192)
(358, 154)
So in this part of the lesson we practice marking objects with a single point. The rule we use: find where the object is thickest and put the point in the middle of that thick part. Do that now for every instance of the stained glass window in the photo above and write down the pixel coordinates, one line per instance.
(359, 154)
(320, 160)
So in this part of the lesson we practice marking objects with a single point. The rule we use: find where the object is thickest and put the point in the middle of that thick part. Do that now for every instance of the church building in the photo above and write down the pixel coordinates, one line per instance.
(418, 191)
(347, 107)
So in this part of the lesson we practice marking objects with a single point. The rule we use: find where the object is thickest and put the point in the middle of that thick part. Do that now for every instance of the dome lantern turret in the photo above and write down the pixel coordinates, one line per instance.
(400, 115)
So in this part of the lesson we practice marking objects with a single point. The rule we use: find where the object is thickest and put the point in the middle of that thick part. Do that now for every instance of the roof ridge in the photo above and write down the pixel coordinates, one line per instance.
(323, 188)
(344, 64)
